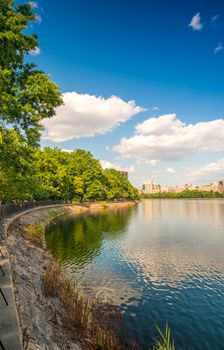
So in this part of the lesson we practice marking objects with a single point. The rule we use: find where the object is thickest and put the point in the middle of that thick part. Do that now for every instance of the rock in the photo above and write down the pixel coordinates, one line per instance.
(42, 317)
(75, 347)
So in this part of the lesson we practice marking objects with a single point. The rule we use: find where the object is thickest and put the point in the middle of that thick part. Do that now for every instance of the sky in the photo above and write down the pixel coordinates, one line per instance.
(142, 84)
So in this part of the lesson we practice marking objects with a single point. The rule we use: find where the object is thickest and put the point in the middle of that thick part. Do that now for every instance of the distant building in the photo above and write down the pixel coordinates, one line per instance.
(149, 187)
(125, 174)
(175, 189)
(190, 187)
(164, 188)
(221, 186)
(209, 187)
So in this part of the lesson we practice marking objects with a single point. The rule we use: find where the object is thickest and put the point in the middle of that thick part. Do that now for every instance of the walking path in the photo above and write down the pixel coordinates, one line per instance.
(10, 334)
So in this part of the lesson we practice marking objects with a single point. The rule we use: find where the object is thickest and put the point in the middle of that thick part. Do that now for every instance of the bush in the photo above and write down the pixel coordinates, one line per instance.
(35, 235)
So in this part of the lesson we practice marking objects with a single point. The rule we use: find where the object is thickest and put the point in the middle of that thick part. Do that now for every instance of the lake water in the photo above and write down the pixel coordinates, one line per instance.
(161, 261)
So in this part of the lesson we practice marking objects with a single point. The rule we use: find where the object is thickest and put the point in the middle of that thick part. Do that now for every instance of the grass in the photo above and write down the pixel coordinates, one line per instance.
(35, 235)
(104, 204)
(165, 341)
(87, 317)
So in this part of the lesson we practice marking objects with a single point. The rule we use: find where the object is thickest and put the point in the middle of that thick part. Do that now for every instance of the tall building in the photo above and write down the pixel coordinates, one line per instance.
(209, 187)
(149, 187)
(221, 186)
(125, 174)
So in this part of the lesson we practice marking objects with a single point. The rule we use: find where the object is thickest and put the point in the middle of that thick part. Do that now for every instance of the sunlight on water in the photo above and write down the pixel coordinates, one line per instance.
(162, 260)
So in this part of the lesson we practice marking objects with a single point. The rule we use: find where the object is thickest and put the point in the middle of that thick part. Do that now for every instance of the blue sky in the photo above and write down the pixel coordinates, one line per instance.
(146, 52)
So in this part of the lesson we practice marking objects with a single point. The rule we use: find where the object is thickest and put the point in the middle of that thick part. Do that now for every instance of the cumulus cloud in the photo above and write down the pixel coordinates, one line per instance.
(35, 52)
(153, 162)
(38, 19)
(213, 171)
(196, 22)
(219, 48)
(84, 115)
(108, 165)
(170, 170)
(33, 4)
(167, 138)
(215, 22)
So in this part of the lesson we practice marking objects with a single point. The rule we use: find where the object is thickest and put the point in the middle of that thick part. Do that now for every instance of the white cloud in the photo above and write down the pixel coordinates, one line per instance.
(215, 22)
(164, 123)
(84, 115)
(33, 4)
(212, 172)
(170, 170)
(35, 52)
(152, 162)
(215, 18)
(196, 22)
(67, 150)
(166, 138)
(219, 48)
(38, 19)
(108, 165)
(155, 108)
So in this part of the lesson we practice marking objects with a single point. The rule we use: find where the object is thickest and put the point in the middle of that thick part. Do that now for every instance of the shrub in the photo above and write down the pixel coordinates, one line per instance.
(35, 235)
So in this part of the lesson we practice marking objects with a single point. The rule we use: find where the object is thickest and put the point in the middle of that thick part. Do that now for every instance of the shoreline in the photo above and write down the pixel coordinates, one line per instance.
(42, 319)
(178, 198)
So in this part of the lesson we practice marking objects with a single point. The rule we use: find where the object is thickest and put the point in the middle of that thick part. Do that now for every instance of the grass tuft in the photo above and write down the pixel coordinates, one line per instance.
(35, 235)
(164, 342)
(89, 318)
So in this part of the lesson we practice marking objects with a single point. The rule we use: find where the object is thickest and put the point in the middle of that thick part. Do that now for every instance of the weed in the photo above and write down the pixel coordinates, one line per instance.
(35, 235)
(87, 317)
(164, 342)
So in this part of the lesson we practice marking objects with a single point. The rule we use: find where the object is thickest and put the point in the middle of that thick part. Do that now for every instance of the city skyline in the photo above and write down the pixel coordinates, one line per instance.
(149, 186)
(142, 84)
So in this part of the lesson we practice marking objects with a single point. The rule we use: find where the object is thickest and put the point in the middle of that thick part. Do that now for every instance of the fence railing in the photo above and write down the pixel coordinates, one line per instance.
(7, 210)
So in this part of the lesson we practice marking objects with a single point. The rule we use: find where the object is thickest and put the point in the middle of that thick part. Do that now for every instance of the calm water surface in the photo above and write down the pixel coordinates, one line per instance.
(162, 260)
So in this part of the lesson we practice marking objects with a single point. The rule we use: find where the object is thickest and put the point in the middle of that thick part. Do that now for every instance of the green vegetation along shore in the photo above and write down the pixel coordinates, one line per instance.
(188, 194)
(56, 174)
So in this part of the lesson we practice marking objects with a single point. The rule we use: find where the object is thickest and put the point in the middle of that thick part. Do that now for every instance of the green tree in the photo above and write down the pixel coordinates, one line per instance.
(118, 186)
(78, 176)
(78, 183)
(27, 94)
(95, 191)
(52, 170)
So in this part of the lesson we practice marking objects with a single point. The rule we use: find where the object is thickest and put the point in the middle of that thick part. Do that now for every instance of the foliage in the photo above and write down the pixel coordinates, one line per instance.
(118, 186)
(164, 342)
(185, 194)
(27, 97)
(55, 174)
(78, 176)
(27, 94)
(85, 316)
(35, 235)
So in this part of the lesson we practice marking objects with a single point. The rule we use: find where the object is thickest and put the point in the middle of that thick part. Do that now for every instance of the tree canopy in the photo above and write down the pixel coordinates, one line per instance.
(185, 194)
(27, 96)
(78, 176)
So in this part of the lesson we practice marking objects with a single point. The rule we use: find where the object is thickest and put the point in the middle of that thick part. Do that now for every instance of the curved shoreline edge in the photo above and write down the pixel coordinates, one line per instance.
(37, 330)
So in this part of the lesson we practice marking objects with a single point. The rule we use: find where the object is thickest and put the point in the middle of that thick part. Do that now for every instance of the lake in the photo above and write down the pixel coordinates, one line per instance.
(160, 261)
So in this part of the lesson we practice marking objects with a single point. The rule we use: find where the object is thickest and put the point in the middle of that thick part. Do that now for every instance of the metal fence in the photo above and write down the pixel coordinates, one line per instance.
(7, 210)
